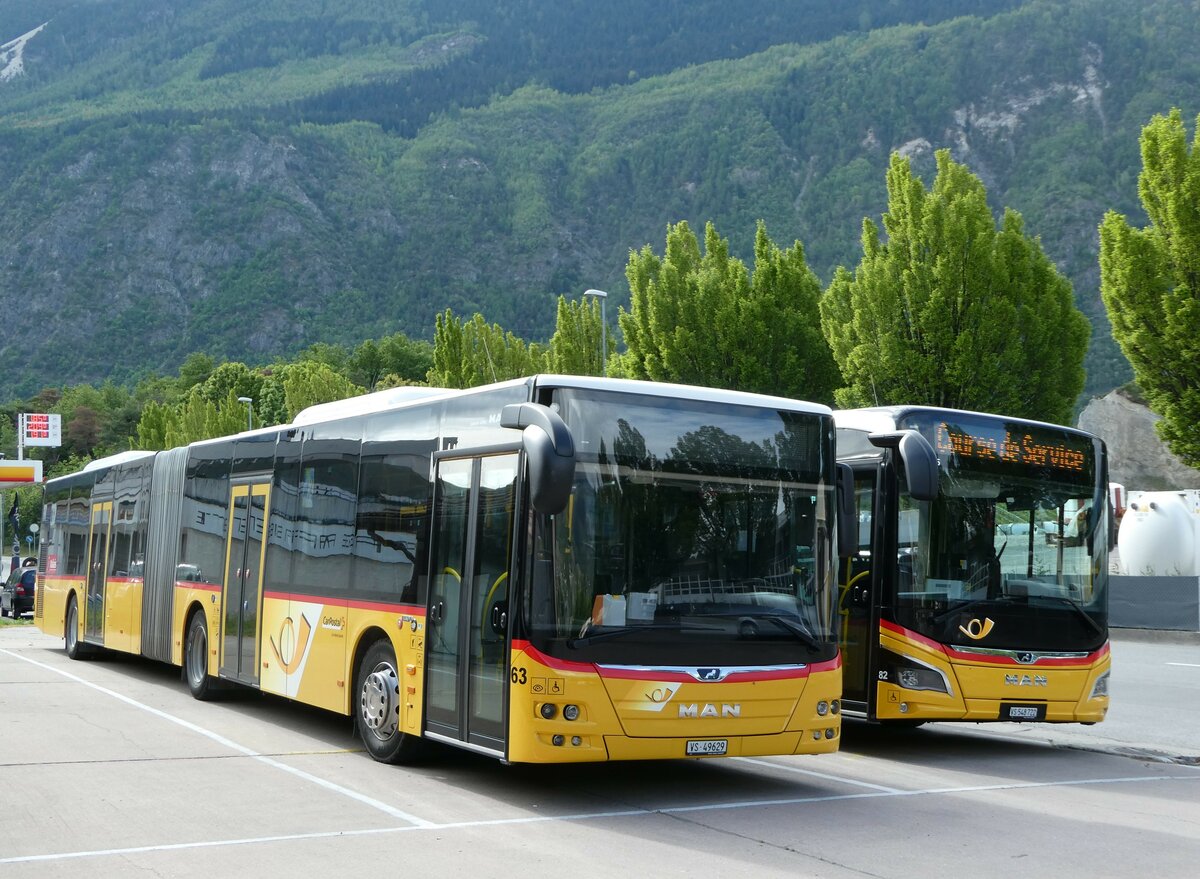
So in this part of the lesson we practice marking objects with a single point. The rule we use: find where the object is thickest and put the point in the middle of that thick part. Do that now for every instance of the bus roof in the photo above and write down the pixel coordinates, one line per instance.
(881, 419)
(690, 392)
(118, 458)
(395, 398)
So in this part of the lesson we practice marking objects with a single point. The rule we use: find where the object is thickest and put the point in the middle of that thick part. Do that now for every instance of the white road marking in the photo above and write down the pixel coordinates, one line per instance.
(799, 771)
(584, 816)
(232, 745)
(1186, 664)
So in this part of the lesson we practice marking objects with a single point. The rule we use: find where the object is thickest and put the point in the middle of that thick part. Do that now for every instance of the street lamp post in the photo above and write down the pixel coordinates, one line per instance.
(249, 401)
(602, 296)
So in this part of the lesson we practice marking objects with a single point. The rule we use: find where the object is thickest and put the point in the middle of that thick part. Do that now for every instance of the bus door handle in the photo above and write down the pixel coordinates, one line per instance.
(499, 617)
(437, 613)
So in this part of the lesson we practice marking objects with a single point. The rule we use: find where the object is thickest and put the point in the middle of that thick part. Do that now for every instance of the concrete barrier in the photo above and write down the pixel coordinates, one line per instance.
(1170, 603)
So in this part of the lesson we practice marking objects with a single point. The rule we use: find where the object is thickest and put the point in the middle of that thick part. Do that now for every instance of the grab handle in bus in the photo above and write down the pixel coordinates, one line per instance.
(549, 450)
(920, 460)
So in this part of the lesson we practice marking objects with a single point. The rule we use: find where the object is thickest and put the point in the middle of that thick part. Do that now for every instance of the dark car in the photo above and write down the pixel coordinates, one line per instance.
(17, 597)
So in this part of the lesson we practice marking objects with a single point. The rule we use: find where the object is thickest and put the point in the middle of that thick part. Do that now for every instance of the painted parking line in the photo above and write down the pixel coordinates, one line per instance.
(232, 745)
(591, 816)
(824, 775)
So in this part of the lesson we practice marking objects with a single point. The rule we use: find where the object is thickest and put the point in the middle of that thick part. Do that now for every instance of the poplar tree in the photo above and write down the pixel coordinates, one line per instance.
(576, 347)
(704, 319)
(1150, 283)
(474, 353)
(950, 310)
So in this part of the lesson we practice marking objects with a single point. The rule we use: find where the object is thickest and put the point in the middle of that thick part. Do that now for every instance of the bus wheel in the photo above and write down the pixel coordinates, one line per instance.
(75, 648)
(377, 707)
(195, 658)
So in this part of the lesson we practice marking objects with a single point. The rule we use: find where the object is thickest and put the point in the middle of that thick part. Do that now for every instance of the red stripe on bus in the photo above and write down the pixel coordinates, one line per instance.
(357, 604)
(952, 653)
(200, 587)
(536, 655)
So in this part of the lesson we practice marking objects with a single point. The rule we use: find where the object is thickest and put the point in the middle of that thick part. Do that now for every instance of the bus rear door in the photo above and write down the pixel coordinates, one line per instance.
(242, 595)
(97, 572)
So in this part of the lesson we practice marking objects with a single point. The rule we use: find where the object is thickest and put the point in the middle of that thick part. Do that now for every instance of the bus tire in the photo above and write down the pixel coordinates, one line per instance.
(377, 707)
(195, 658)
(74, 647)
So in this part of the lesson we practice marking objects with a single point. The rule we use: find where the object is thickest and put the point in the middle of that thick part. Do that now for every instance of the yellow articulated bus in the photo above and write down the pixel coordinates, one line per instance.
(550, 569)
(978, 589)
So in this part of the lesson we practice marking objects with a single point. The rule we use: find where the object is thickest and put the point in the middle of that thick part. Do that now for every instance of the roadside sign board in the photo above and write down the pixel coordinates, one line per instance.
(20, 473)
(40, 429)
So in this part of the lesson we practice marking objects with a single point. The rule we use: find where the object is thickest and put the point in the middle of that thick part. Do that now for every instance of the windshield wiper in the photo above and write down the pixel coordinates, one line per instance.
(789, 625)
(801, 632)
(610, 634)
(937, 618)
(1009, 597)
(1074, 605)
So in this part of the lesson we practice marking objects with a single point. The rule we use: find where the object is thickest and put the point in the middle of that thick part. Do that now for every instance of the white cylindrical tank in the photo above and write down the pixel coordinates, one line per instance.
(1158, 536)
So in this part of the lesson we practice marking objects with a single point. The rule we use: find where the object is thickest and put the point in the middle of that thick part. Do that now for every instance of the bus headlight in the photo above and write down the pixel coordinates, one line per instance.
(1100, 688)
(913, 675)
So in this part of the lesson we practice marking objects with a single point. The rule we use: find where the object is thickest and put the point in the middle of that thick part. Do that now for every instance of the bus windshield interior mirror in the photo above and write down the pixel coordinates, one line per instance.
(920, 461)
(847, 527)
(549, 450)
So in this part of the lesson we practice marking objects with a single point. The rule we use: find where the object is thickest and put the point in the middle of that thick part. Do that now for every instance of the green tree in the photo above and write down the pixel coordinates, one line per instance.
(195, 370)
(575, 347)
(704, 319)
(153, 426)
(466, 355)
(232, 377)
(950, 310)
(396, 356)
(1150, 283)
(311, 382)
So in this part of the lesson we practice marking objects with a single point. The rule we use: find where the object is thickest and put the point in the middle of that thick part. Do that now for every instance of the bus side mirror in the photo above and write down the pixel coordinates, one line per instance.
(847, 525)
(549, 453)
(920, 461)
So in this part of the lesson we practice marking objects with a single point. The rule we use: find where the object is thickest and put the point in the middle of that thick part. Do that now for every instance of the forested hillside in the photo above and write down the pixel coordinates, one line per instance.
(246, 179)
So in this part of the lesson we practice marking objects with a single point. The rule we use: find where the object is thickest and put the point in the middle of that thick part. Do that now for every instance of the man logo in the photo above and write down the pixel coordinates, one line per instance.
(976, 630)
(710, 710)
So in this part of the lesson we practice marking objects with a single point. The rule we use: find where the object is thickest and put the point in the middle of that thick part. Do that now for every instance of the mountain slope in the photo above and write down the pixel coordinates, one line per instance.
(247, 180)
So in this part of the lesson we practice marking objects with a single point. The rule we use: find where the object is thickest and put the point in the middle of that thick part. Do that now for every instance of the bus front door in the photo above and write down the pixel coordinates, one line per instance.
(858, 600)
(93, 619)
(245, 550)
(467, 640)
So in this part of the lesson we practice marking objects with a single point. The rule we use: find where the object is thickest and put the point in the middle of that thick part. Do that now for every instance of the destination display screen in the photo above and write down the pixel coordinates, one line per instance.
(998, 445)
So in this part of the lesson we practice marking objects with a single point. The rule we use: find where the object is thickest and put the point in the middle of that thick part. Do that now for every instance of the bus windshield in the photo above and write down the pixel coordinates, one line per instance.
(1016, 541)
(697, 533)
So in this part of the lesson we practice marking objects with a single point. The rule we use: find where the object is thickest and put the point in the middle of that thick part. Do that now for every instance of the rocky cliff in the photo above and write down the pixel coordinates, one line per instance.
(1138, 459)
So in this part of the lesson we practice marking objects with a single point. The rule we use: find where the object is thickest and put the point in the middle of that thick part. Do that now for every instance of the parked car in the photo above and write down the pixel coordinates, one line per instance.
(17, 596)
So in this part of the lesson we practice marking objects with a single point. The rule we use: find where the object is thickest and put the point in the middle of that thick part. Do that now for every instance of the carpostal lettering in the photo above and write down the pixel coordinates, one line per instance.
(335, 623)
(1013, 449)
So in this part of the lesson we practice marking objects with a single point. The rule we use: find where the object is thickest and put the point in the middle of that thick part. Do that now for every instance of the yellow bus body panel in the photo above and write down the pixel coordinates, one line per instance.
(52, 595)
(980, 684)
(628, 715)
(309, 650)
(123, 615)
